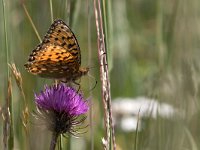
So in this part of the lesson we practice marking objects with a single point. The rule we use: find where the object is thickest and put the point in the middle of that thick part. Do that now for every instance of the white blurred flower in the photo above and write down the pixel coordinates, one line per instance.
(126, 110)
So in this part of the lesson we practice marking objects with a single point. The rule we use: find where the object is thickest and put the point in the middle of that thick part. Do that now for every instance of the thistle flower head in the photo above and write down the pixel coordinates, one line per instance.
(61, 107)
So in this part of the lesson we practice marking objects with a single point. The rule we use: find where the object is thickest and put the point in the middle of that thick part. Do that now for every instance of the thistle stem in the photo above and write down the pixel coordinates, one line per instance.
(54, 139)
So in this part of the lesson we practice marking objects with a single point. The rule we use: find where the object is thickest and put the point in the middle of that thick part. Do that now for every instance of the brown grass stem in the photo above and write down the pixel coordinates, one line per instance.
(8, 139)
(105, 89)
(18, 78)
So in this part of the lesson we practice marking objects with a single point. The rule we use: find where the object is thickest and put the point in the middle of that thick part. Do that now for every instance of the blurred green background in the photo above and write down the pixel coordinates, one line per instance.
(153, 51)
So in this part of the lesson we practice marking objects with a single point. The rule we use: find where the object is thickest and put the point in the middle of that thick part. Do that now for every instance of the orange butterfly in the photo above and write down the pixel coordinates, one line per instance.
(58, 56)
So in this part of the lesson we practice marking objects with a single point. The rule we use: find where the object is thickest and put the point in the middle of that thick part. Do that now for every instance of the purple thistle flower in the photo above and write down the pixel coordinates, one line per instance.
(60, 107)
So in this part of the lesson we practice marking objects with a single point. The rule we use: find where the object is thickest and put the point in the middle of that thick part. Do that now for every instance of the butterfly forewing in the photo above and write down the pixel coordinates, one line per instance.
(60, 34)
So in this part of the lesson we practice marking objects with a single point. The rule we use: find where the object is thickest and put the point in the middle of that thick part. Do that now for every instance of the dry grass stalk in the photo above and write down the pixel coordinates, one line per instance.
(106, 97)
(18, 78)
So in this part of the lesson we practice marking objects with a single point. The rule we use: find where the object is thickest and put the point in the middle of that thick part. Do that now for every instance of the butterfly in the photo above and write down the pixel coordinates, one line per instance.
(58, 56)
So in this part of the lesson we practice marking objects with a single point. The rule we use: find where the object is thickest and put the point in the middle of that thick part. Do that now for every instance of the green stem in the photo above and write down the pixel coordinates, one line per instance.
(32, 24)
(54, 138)
(8, 126)
(51, 10)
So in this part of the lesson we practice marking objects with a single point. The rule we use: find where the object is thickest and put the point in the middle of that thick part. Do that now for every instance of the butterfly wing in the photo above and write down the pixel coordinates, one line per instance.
(53, 61)
(58, 56)
(60, 34)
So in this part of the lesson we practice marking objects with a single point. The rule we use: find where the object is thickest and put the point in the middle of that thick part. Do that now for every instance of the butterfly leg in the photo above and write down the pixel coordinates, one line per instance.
(79, 86)
(94, 86)
(56, 82)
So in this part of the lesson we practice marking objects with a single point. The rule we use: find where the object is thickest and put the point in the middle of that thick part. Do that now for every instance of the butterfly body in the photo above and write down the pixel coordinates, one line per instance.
(58, 56)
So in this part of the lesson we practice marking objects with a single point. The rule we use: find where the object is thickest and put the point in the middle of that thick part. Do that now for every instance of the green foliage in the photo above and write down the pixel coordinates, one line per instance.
(153, 49)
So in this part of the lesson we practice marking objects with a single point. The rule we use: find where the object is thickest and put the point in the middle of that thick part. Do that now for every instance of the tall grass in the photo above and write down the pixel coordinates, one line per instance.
(152, 50)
